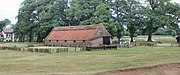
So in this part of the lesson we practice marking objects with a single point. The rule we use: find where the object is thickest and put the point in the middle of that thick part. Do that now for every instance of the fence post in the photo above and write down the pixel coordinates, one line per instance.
(104, 47)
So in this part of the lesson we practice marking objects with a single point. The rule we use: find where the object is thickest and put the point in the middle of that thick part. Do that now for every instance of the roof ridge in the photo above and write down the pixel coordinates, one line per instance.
(82, 25)
(88, 32)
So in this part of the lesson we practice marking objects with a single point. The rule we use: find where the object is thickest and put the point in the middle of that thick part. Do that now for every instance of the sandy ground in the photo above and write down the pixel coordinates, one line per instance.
(164, 69)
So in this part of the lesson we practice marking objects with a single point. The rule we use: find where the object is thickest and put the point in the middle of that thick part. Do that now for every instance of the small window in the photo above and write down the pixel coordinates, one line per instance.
(84, 41)
(49, 40)
(74, 40)
(65, 41)
(57, 40)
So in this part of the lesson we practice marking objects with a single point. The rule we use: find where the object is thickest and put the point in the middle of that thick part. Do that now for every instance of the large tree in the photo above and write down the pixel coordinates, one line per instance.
(81, 10)
(23, 27)
(103, 14)
(159, 13)
(36, 18)
(125, 12)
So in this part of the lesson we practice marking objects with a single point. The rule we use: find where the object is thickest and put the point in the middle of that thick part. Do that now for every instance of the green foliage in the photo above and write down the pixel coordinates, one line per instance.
(36, 18)
(103, 15)
(4, 23)
(159, 13)
(126, 13)
(173, 33)
(160, 31)
(81, 10)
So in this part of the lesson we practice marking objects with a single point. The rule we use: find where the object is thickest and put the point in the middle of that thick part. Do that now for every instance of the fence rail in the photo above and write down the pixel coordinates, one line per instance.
(169, 45)
(134, 44)
(42, 50)
(103, 47)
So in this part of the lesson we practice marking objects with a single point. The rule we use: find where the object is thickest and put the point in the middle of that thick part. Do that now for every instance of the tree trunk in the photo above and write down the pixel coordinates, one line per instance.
(118, 40)
(149, 37)
(21, 37)
(131, 39)
(38, 37)
(30, 36)
(150, 31)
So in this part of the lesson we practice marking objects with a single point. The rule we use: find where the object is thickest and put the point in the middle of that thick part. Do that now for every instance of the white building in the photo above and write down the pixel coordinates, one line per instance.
(7, 34)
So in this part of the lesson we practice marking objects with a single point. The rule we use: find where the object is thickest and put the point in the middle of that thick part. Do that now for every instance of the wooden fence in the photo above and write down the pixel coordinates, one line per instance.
(175, 44)
(134, 44)
(48, 50)
(103, 47)
(42, 50)
(169, 45)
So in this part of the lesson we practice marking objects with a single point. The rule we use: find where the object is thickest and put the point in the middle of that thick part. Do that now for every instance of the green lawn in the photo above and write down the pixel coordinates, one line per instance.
(84, 62)
(156, 38)
(18, 44)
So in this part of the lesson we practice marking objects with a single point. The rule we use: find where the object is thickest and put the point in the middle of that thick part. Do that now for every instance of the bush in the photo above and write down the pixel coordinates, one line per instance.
(173, 33)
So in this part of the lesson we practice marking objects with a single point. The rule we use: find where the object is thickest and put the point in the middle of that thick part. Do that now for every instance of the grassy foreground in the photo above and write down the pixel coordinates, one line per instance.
(84, 63)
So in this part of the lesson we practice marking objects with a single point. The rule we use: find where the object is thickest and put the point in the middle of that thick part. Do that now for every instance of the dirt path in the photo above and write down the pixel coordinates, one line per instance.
(165, 69)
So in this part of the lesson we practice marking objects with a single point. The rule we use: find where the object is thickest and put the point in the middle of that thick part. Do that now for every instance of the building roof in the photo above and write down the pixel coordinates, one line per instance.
(85, 32)
(7, 30)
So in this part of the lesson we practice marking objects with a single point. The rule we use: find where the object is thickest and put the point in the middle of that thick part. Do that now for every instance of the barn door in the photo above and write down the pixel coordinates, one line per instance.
(106, 40)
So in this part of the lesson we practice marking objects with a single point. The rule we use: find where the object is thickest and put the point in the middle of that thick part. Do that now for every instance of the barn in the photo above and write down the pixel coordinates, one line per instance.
(85, 35)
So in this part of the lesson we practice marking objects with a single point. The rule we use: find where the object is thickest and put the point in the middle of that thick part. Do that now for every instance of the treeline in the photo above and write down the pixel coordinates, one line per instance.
(4, 22)
(36, 18)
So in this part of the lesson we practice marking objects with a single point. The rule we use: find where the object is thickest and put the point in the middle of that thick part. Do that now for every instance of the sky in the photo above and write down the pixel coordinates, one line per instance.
(9, 9)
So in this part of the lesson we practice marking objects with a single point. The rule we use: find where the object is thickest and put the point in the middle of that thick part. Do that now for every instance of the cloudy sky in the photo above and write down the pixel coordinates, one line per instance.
(9, 9)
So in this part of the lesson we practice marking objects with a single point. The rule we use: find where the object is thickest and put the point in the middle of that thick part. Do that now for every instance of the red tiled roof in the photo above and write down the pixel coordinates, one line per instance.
(71, 34)
(88, 32)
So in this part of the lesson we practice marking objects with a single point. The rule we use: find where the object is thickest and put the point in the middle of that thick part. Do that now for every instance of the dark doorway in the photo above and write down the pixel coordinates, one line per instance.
(106, 40)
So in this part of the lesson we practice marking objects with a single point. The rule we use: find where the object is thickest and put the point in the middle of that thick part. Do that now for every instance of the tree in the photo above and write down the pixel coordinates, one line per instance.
(50, 13)
(36, 18)
(26, 16)
(173, 33)
(103, 14)
(158, 13)
(125, 13)
(4, 23)
(81, 10)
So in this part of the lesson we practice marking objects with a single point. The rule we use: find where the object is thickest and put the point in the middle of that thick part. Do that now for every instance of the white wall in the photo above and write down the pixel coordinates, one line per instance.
(5, 37)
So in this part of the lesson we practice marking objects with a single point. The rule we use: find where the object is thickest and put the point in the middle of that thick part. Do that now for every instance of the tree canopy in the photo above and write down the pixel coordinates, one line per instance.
(4, 23)
(36, 18)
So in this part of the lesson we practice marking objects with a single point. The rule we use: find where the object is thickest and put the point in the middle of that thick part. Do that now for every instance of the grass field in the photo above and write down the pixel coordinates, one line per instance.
(156, 38)
(84, 62)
